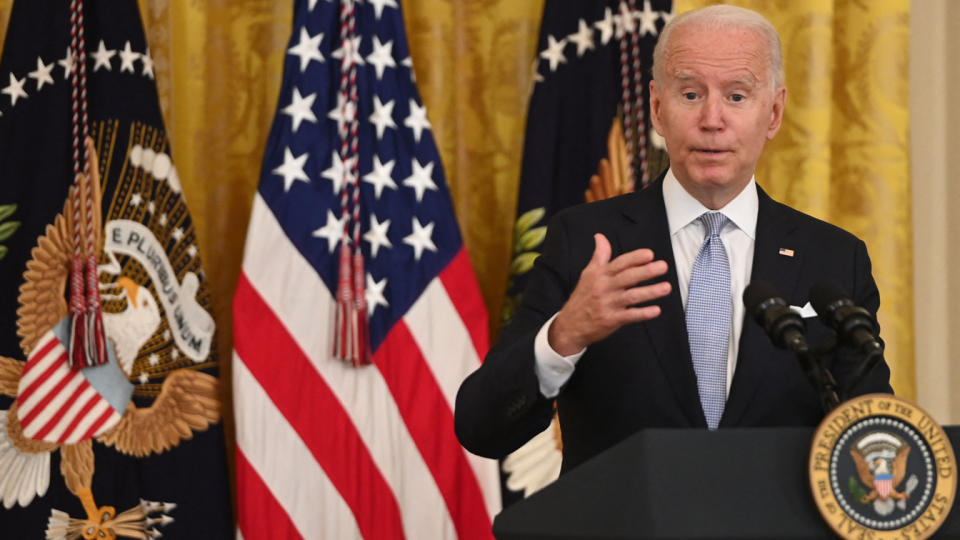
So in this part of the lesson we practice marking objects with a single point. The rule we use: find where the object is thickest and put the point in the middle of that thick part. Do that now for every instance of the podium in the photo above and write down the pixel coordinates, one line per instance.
(679, 483)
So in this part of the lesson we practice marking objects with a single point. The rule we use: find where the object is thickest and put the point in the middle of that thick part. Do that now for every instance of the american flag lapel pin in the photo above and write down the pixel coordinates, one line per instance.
(786, 252)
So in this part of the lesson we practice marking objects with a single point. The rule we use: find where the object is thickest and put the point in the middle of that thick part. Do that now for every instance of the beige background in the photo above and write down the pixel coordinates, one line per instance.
(935, 139)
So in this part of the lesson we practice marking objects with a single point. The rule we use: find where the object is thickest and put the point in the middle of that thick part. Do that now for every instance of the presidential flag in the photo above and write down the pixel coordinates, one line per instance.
(588, 137)
(357, 313)
(109, 397)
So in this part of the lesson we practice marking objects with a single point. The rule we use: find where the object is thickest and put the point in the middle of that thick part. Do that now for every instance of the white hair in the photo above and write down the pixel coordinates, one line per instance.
(723, 17)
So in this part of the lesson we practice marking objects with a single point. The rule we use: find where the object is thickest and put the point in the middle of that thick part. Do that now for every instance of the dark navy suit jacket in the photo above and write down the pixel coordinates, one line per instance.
(642, 376)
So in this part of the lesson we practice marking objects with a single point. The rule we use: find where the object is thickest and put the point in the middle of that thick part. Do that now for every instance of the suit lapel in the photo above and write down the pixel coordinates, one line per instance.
(775, 230)
(647, 228)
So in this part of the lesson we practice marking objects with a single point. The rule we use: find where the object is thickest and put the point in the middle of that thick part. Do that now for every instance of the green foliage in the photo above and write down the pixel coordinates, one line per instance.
(856, 491)
(527, 220)
(6, 210)
(523, 263)
(530, 239)
(7, 229)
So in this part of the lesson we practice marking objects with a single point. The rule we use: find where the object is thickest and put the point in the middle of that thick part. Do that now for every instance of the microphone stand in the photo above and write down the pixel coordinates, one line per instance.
(870, 359)
(820, 377)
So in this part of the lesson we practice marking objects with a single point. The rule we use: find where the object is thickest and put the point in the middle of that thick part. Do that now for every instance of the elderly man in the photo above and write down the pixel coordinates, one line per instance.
(633, 317)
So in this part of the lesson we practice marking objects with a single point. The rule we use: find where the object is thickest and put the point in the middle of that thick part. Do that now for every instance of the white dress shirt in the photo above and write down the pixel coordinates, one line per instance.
(686, 237)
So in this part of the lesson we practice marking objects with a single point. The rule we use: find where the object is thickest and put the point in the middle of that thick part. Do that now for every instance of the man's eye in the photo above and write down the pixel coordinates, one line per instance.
(690, 95)
(737, 98)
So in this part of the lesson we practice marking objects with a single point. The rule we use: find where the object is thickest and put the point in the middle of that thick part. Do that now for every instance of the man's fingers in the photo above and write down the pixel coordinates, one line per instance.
(601, 250)
(628, 277)
(636, 257)
(640, 314)
(646, 293)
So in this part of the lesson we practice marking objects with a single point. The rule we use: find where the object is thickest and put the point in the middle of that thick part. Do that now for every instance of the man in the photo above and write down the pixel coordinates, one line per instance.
(633, 317)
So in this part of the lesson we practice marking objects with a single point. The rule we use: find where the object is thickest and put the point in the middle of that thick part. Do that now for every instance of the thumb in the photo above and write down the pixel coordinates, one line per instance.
(601, 250)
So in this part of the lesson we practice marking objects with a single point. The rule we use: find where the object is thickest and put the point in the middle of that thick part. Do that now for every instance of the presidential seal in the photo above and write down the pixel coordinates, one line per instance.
(881, 467)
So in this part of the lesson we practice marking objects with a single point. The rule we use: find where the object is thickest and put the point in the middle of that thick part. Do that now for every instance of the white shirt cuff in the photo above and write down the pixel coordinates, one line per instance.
(552, 370)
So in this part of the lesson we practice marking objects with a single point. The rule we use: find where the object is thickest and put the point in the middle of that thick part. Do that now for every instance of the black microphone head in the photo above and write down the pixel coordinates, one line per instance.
(828, 298)
(825, 293)
(756, 293)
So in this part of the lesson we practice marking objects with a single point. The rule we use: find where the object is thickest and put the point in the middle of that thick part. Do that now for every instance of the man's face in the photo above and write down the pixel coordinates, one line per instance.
(715, 109)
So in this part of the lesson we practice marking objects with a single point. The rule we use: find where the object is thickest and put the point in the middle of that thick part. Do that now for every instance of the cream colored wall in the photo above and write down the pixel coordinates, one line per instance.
(935, 141)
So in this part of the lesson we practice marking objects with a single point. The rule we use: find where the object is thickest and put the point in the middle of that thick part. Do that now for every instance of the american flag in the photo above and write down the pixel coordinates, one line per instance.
(327, 449)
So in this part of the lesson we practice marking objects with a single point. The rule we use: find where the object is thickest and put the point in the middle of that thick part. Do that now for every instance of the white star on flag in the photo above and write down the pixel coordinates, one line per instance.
(147, 62)
(307, 49)
(381, 57)
(102, 57)
(337, 173)
(378, 6)
(292, 169)
(420, 238)
(583, 38)
(343, 112)
(554, 52)
(178, 234)
(43, 73)
(627, 24)
(382, 116)
(374, 293)
(648, 20)
(332, 231)
(127, 58)
(15, 89)
(300, 108)
(420, 180)
(380, 176)
(377, 234)
(136, 199)
(417, 120)
(352, 56)
(68, 63)
(605, 26)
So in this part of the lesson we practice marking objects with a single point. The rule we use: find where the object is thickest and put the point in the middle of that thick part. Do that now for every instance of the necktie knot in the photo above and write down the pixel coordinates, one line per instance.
(714, 222)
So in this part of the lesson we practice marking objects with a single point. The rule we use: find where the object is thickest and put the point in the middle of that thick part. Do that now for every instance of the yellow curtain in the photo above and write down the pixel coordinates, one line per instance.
(843, 153)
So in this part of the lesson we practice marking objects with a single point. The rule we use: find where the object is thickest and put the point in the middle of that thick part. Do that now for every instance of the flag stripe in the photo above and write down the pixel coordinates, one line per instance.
(316, 416)
(296, 481)
(77, 401)
(38, 363)
(99, 424)
(430, 422)
(260, 503)
(363, 393)
(90, 403)
(47, 367)
(65, 403)
(447, 346)
(77, 434)
(39, 410)
(465, 296)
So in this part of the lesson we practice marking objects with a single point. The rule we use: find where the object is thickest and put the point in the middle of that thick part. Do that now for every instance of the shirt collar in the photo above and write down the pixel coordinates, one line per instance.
(682, 208)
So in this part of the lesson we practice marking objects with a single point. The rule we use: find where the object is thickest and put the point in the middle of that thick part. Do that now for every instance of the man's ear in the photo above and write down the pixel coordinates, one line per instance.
(655, 107)
(776, 114)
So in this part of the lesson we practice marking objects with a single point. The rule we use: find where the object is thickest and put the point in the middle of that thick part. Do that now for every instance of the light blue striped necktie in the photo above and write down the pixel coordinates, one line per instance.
(708, 318)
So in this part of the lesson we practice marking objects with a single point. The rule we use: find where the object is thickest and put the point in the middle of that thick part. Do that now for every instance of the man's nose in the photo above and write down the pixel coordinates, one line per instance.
(711, 114)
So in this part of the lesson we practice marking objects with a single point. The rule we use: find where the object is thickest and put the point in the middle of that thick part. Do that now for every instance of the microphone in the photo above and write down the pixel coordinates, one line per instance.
(853, 324)
(784, 326)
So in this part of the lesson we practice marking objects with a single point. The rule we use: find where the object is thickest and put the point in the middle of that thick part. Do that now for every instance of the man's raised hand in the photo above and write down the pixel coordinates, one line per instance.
(605, 298)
